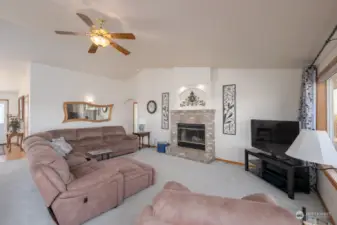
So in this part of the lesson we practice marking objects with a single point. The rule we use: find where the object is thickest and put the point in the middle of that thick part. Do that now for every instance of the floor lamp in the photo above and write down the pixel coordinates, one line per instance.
(314, 146)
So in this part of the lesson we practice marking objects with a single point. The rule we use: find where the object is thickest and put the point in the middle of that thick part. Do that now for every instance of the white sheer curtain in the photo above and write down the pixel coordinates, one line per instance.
(2, 123)
(2, 113)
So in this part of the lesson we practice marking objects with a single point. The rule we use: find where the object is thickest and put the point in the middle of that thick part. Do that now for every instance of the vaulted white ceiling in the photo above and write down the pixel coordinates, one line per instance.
(212, 33)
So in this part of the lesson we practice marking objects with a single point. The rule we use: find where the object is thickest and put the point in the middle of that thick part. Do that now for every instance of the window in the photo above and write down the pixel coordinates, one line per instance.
(332, 121)
(135, 117)
(2, 113)
(332, 107)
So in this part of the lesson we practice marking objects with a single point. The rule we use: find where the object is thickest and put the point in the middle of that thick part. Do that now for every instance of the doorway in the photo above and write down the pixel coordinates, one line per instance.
(3, 120)
(26, 116)
(135, 117)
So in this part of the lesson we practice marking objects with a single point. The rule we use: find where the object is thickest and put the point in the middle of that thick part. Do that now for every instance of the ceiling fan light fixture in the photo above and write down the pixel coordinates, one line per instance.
(99, 36)
(100, 40)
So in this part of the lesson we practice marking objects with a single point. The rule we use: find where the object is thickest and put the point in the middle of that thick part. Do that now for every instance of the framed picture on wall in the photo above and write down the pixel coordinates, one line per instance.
(229, 109)
(165, 111)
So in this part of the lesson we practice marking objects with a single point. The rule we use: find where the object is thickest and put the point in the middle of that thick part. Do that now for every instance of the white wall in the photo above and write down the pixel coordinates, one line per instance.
(11, 74)
(24, 88)
(50, 87)
(261, 94)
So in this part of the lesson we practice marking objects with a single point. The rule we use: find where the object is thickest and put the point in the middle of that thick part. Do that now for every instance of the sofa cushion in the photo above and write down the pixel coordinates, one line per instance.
(48, 182)
(85, 168)
(31, 141)
(90, 147)
(45, 135)
(91, 133)
(146, 167)
(127, 144)
(189, 208)
(122, 165)
(45, 155)
(75, 159)
(68, 134)
(113, 139)
(89, 141)
(113, 130)
(61, 146)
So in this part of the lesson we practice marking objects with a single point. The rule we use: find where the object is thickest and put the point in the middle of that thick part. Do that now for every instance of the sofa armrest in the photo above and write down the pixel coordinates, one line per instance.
(76, 158)
(92, 179)
(260, 197)
(130, 137)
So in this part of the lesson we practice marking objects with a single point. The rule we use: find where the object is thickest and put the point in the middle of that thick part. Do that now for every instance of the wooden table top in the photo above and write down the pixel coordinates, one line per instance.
(141, 133)
(100, 152)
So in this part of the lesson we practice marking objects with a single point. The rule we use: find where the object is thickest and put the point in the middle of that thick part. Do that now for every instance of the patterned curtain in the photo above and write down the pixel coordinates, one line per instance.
(307, 112)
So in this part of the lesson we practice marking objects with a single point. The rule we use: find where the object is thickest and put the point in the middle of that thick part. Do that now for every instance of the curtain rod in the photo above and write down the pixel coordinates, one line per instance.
(327, 41)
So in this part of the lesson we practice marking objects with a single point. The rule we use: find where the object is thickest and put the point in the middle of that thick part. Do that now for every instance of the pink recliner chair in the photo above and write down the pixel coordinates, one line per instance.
(177, 205)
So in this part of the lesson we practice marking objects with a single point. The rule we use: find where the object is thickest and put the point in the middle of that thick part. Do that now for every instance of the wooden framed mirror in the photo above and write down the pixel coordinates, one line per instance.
(84, 111)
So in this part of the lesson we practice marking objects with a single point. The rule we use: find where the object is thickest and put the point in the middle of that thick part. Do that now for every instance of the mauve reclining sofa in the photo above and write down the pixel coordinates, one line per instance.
(88, 139)
(76, 188)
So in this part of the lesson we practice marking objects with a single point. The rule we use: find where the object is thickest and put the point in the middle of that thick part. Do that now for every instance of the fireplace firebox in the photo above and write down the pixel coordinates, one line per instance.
(191, 136)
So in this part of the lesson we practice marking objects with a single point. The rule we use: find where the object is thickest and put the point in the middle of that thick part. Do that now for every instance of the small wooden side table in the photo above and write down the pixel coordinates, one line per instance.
(19, 139)
(141, 136)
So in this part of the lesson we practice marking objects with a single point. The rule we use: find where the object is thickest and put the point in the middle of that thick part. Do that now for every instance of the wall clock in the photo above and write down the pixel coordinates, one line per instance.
(151, 107)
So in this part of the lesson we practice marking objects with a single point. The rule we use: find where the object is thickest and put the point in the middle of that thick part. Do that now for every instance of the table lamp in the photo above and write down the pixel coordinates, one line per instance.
(141, 124)
(314, 146)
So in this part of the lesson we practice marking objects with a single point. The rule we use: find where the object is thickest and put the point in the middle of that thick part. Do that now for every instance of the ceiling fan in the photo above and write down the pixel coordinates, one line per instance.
(100, 37)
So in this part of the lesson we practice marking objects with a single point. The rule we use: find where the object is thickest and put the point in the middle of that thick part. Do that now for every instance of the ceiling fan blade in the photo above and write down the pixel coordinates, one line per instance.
(123, 36)
(85, 19)
(119, 48)
(93, 48)
(69, 33)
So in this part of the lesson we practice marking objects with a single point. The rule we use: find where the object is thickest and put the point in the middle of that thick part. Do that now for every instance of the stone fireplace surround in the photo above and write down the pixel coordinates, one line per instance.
(202, 116)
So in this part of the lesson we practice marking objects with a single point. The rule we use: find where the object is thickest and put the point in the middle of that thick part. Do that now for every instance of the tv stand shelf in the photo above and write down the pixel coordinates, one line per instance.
(287, 174)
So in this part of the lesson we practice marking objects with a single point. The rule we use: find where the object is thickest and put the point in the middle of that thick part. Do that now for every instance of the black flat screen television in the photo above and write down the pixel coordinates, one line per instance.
(274, 136)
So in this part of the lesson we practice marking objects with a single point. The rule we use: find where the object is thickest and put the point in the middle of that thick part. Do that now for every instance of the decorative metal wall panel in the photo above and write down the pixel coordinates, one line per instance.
(165, 111)
(229, 109)
(192, 100)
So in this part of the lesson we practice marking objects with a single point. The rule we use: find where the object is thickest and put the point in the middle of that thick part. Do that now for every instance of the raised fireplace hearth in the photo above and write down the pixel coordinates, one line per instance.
(192, 135)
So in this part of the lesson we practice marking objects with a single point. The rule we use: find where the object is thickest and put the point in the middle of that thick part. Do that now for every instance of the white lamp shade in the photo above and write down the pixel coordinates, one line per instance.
(314, 146)
(141, 121)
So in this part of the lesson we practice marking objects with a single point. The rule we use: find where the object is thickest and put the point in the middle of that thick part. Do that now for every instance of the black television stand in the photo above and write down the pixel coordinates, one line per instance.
(287, 174)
